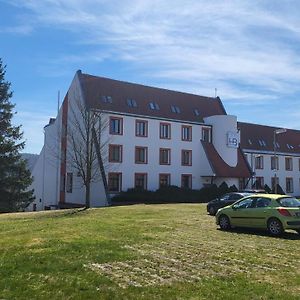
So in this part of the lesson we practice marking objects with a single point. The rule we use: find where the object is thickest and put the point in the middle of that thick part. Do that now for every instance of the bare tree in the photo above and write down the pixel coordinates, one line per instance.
(86, 146)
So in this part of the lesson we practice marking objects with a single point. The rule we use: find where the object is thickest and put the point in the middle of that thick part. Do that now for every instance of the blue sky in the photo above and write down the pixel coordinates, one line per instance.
(248, 50)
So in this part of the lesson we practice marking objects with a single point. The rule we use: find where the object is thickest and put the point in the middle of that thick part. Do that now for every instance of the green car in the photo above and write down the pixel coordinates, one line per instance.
(275, 213)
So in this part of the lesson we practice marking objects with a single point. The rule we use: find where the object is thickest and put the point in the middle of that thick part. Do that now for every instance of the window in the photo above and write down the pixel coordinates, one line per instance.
(289, 185)
(153, 106)
(262, 202)
(165, 131)
(186, 181)
(186, 157)
(196, 112)
(206, 135)
(175, 109)
(114, 182)
(116, 126)
(288, 164)
(165, 156)
(140, 181)
(141, 128)
(262, 143)
(164, 180)
(273, 180)
(131, 103)
(69, 186)
(186, 133)
(115, 153)
(106, 99)
(247, 203)
(259, 183)
(249, 142)
(274, 163)
(141, 155)
(259, 162)
(242, 183)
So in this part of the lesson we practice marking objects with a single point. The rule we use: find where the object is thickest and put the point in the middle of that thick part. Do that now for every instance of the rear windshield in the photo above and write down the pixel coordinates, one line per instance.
(289, 202)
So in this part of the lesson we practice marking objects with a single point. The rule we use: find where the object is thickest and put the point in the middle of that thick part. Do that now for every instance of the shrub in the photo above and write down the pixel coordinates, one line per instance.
(172, 194)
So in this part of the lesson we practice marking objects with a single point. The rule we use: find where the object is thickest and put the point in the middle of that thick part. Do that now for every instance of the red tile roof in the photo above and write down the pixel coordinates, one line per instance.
(221, 168)
(260, 138)
(94, 87)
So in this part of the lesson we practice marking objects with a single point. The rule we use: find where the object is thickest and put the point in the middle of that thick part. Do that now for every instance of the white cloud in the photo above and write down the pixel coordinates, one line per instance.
(237, 46)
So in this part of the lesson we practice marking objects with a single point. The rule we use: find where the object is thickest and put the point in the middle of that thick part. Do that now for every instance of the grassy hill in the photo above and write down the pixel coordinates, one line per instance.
(142, 252)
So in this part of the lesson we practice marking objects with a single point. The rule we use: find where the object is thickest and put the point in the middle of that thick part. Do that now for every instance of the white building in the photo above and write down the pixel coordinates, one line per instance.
(157, 137)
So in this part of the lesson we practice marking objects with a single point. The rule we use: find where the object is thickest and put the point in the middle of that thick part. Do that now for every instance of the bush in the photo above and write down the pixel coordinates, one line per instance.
(267, 189)
(172, 194)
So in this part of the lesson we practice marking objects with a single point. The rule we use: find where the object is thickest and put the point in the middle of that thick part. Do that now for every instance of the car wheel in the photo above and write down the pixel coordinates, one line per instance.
(224, 222)
(212, 211)
(275, 227)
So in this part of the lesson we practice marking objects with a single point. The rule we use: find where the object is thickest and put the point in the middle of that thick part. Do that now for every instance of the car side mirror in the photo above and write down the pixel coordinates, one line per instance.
(234, 207)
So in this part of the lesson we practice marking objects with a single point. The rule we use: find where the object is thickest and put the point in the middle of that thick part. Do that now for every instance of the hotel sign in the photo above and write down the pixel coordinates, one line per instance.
(232, 139)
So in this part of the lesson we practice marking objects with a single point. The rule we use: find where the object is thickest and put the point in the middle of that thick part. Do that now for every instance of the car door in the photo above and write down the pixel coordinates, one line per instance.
(240, 212)
(259, 212)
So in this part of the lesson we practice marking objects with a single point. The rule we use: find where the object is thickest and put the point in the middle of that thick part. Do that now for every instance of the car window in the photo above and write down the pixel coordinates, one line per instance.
(247, 203)
(224, 198)
(236, 197)
(289, 202)
(263, 202)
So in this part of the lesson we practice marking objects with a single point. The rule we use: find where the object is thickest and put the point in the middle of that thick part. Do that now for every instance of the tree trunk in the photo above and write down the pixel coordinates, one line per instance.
(87, 195)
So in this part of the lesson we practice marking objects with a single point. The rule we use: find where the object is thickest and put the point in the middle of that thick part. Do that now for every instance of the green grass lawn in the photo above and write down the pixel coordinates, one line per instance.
(142, 252)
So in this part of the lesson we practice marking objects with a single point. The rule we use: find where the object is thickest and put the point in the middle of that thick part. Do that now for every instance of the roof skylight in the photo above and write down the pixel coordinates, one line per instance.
(175, 109)
(196, 112)
(106, 99)
(131, 102)
(153, 106)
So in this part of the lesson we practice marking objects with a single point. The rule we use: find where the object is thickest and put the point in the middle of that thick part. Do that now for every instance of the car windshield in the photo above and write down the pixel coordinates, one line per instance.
(289, 202)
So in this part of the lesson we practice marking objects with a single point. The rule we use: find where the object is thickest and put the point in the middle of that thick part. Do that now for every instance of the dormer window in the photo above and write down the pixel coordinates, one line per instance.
(131, 102)
(153, 106)
(106, 99)
(196, 112)
(175, 109)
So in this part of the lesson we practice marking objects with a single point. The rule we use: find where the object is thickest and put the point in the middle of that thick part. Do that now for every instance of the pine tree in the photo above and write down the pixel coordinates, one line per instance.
(14, 176)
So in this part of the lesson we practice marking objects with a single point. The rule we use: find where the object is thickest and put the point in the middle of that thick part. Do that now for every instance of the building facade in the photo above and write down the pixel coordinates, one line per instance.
(155, 137)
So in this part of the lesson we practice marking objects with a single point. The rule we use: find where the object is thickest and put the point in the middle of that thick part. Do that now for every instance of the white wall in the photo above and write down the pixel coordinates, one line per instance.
(282, 174)
(97, 191)
(200, 166)
(221, 125)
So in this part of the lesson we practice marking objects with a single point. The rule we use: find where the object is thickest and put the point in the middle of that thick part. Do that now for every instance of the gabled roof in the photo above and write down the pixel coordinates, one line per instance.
(221, 168)
(260, 138)
(95, 87)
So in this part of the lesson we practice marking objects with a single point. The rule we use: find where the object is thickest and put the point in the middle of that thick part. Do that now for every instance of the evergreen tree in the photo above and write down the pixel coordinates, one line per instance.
(14, 176)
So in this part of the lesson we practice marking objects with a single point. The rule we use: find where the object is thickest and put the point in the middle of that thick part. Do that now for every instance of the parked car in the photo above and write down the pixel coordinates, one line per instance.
(227, 199)
(254, 191)
(272, 212)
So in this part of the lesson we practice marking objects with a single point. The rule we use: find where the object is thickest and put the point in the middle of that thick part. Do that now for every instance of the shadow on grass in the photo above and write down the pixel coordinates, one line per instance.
(261, 232)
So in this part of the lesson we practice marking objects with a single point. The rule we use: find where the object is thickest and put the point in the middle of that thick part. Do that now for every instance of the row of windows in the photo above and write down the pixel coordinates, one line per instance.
(141, 129)
(141, 181)
(152, 105)
(289, 185)
(262, 143)
(141, 155)
(259, 163)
